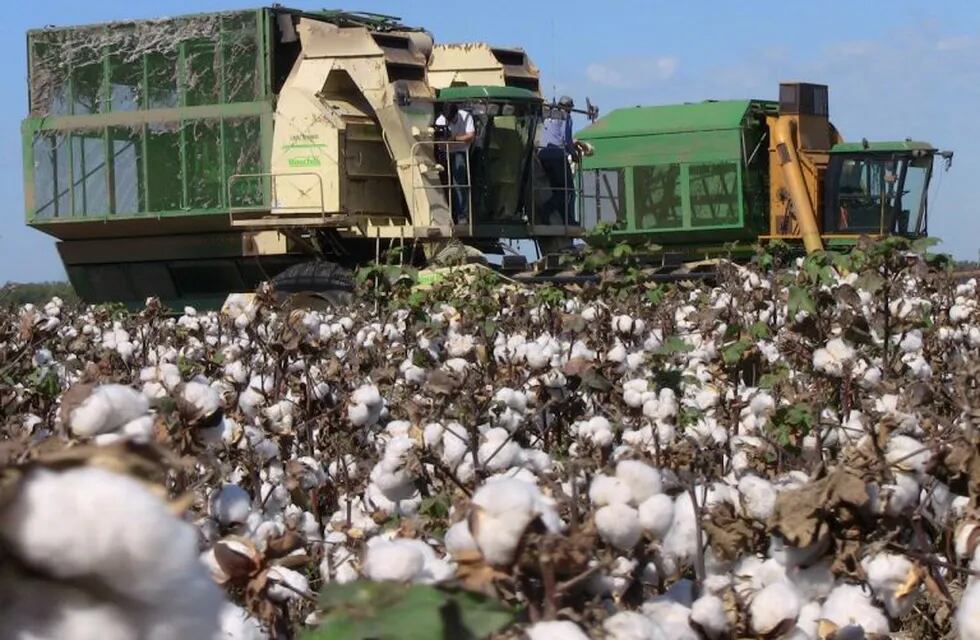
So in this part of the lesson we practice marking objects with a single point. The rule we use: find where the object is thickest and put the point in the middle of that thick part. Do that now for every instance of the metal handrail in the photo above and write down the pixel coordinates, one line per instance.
(575, 188)
(449, 186)
(273, 200)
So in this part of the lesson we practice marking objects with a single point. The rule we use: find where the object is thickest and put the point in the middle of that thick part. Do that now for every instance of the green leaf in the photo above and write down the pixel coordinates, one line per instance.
(622, 251)
(655, 294)
(475, 615)
(800, 300)
(840, 261)
(870, 282)
(594, 380)
(760, 330)
(769, 380)
(434, 506)
(672, 346)
(734, 352)
(922, 245)
(364, 273)
(489, 328)
(365, 610)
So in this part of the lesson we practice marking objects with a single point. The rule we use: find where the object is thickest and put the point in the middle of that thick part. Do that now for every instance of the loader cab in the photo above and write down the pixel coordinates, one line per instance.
(878, 188)
(499, 158)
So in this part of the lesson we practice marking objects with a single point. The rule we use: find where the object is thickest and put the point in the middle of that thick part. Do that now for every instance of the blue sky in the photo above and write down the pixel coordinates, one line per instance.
(897, 69)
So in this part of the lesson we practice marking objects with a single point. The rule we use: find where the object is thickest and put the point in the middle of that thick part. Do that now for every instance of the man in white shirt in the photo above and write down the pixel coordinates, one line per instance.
(459, 123)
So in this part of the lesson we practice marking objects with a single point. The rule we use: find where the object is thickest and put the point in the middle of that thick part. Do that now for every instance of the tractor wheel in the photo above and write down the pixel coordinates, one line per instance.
(315, 284)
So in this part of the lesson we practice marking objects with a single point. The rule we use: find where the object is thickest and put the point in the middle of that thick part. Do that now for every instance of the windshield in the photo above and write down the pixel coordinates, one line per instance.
(499, 157)
(878, 194)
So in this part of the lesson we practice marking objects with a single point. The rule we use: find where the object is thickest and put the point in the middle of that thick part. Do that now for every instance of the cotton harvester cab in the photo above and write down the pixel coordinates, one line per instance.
(693, 177)
(190, 157)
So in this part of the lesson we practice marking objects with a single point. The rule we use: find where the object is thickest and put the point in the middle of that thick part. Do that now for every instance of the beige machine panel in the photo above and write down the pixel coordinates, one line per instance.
(352, 127)
(480, 64)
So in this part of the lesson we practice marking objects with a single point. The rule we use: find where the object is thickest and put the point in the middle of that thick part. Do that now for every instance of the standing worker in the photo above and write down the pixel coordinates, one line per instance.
(459, 124)
(554, 147)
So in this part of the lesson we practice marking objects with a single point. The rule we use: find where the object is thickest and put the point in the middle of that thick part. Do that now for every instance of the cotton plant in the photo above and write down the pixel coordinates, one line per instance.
(436, 446)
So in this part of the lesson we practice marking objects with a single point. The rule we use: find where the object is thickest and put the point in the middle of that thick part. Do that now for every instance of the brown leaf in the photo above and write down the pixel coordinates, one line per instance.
(237, 557)
(573, 322)
(474, 574)
(441, 383)
(575, 366)
(801, 514)
(72, 399)
(728, 534)
(283, 545)
(257, 602)
(383, 375)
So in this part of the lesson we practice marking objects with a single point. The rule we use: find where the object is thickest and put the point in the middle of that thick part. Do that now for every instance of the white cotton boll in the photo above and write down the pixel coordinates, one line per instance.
(87, 524)
(360, 415)
(42, 357)
(619, 525)
(680, 539)
(237, 624)
(762, 404)
(814, 581)
(758, 497)
(459, 345)
(286, 584)
(398, 428)
(617, 353)
(706, 398)
(236, 371)
(390, 561)
(107, 408)
(630, 625)
(202, 397)
(537, 357)
(959, 313)
(708, 611)
(458, 539)
(42, 610)
(606, 490)
(657, 514)
(892, 578)
(456, 365)
(912, 342)
(537, 460)
(509, 420)
(139, 430)
(367, 395)
(514, 400)
(673, 619)
(968, 613)
(642, 479)
(772, 606)
(849, 604)
(807, 623)
(832, 358)
(432, 434)
(633, 392)
(498, 452)
(556, 630)
(506, 507)
(582, 350)
(895, 499)
(964, 535)
(908, 454)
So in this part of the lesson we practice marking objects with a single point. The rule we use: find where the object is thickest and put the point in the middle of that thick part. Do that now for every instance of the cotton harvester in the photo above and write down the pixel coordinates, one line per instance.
(191, 157)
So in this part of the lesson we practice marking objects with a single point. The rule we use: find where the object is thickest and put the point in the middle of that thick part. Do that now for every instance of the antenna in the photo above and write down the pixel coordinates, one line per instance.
(554, 88)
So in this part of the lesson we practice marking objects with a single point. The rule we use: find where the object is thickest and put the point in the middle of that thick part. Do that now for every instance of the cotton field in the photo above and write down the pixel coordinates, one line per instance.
(785, 453)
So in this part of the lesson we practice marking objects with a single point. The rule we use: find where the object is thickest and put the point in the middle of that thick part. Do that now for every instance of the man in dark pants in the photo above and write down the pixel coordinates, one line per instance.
(554, 147)
(459, 123)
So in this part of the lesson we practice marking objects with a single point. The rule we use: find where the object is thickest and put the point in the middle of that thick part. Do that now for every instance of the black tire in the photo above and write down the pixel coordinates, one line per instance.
(304, 283)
